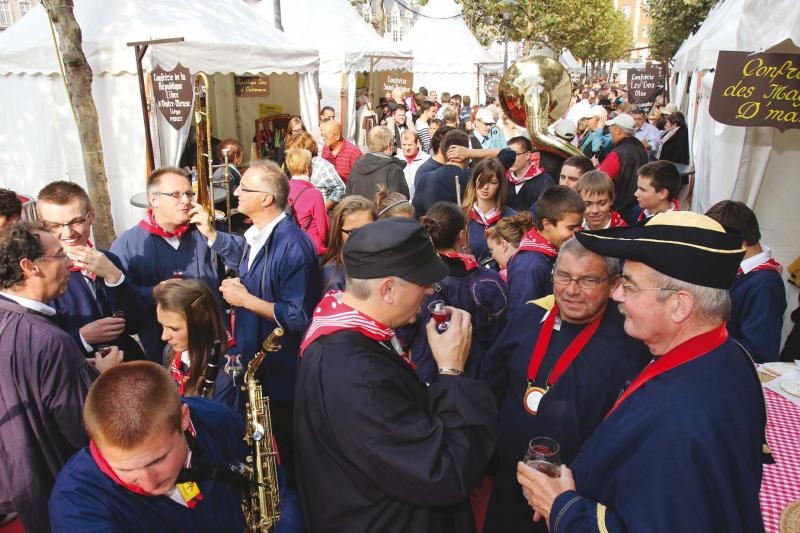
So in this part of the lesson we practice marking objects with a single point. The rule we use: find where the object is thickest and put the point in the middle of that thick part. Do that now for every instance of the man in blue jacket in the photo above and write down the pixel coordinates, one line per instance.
(278, 286)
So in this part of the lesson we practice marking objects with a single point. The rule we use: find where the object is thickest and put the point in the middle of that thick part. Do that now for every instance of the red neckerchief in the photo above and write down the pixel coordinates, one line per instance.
(180, 377)
(468, 260)
(504, 274)
(616, 221)
(411, 159)
(683, 353)
(769, 264)
(91, 275)
(532, 241)
(149, 223)
(569, 355)
(534, 170)
(331, 315)
(487, 220)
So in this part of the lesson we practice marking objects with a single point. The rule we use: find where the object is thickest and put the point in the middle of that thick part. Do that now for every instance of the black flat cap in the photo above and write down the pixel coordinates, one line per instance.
(393, 247)
(681, 244)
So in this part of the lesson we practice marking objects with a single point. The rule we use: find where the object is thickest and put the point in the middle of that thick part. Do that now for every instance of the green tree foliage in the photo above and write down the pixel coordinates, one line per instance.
(673, 21)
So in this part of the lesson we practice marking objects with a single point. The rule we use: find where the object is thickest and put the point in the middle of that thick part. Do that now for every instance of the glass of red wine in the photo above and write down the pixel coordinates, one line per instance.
(440, 315)
(543, 455)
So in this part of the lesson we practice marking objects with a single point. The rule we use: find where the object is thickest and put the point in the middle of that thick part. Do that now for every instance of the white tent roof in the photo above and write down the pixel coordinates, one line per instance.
(107, 25)
(344, 39)
(441, 24)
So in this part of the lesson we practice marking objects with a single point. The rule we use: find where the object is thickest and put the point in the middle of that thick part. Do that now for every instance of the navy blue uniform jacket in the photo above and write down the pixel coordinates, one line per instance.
(377, 450)
(285, 272)
(759, 301)
(529, 277)
(439, 186)
(86, 499)
(682, 453)
(571, 409)
(530, 191)
(78, 306)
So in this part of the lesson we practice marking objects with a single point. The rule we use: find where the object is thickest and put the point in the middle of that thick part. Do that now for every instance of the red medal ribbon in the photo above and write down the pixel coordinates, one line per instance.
(487, 220)
(149, 223)
(468, 260)
(533, 242)
(769, 264)
(683, 353)
(331, 315)
(569, 355)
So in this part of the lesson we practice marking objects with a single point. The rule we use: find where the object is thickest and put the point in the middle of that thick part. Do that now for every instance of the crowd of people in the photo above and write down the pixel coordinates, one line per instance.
(445, 297)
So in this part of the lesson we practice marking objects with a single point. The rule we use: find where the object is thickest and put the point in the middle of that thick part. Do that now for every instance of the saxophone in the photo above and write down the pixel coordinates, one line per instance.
(260, 503)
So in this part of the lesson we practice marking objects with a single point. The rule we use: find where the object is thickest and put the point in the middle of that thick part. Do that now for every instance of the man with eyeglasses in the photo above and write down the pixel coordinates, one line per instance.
(682, 447)
(174, 239)
(100, 307)
(44, 375)
(556, 373)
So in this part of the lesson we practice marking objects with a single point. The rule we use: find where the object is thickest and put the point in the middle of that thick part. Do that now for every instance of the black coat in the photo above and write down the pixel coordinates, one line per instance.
(377, 450)
(676, 148)
(375, 169)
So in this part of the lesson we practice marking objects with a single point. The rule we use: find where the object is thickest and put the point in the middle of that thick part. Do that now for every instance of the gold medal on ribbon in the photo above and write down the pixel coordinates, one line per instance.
(533, 396)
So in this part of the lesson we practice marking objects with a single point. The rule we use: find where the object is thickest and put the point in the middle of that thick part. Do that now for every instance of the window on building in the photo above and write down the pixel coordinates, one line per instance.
(24, 6)
(396, 24)
(5, 13)
(366, 12)
(626, 10)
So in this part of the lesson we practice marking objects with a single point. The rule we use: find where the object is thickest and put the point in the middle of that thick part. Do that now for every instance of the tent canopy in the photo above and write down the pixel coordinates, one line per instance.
(219, 36)
(346, 42)
(441, 22)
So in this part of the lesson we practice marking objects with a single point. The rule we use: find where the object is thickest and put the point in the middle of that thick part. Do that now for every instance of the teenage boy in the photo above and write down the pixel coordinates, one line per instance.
(597, 191)
(559, 214)
(657, 187)
(758, 296)
(572, 169)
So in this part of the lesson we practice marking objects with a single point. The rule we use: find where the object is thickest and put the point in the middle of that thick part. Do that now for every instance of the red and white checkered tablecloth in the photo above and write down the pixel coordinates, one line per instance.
(780, 485)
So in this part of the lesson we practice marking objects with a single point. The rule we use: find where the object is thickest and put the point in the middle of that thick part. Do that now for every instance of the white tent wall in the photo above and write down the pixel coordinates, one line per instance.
(463, 83)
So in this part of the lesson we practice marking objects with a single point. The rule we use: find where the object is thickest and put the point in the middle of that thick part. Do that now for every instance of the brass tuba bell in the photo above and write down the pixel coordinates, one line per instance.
(535, 92)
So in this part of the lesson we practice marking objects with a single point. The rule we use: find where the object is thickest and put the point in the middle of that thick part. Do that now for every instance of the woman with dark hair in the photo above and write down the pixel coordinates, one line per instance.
(675, 142)
(293, 128)
(468, 286)
(191, 320)
(351, 213)
(484, 203)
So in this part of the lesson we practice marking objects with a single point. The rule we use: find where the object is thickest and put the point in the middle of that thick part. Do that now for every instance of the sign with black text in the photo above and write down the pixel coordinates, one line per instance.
(643, 86)
(251, 86)
(390, 80)
(756, 89)
(174, 92)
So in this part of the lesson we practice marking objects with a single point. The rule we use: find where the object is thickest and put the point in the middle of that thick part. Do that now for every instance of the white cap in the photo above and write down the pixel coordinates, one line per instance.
(594, 111)
(669, 109)
(623, 120)
(565, 129)
(485, 116)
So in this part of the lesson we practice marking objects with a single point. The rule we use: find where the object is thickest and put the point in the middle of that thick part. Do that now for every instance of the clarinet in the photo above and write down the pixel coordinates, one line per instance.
(212, 369)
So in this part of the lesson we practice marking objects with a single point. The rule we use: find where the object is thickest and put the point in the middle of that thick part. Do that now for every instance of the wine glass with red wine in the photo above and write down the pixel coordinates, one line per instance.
(543, 455)
(440, 315)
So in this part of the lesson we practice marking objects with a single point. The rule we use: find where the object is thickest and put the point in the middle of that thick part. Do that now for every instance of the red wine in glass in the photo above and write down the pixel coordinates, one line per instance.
(543, 455)
(439, 314)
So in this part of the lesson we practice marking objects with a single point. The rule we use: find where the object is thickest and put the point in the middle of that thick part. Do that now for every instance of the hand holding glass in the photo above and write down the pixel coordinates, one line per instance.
(439, 314)
(543, 455)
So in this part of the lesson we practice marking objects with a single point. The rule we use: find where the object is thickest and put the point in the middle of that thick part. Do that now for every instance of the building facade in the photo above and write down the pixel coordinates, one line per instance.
(640, 22)
(399, 18)
(13, 10)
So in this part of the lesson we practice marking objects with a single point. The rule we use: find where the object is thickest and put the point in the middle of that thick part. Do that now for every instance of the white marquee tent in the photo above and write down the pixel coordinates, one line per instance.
(757, 166)
(447, 57)
(347, 45)
(38, 131)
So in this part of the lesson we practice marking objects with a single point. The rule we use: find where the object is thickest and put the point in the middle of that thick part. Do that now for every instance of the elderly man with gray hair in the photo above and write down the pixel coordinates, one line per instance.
(378, 167)
(622, 163)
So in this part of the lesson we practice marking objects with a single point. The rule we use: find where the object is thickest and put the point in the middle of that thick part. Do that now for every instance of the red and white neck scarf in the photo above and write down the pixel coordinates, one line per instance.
(769, 264)
(504, 274)
(149, 223)
(676, 206)
(91, 275)
(615, 222)
(487, 219)
(181, 376)
(469, 260)
(534, 170)
(532, 241)
(332, 315)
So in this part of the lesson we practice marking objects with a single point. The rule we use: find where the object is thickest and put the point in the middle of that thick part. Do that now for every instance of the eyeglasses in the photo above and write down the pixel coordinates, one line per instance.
(62, 256)
(56, 227)
(523, 153)
(631, 290)
(245, 189)
(177, 195)
(588, 283)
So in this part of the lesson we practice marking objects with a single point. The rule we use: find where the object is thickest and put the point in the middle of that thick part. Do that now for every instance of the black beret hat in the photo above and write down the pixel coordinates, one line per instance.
(681, 244)
(393, 247)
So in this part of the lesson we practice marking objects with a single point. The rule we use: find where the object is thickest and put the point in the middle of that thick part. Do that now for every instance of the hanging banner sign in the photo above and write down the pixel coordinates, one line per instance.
(390, 80)
(251, 86)
(757, 89)
(643, 86)
(268, 110)
(174, 92)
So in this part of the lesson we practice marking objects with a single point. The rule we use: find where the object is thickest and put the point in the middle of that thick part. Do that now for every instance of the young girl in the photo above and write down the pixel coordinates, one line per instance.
(351, 213)
(192, 321)
(392, 204)
(306, 200)
(504, 237)
(484, 203)
(477, 290)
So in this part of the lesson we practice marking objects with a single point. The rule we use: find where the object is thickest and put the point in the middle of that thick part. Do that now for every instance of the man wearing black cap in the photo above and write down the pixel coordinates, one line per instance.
(378, 450)
(682, 448)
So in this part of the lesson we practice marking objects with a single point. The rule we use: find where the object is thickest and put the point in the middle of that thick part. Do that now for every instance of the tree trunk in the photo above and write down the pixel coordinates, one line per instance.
(379, 20)
(79, 86)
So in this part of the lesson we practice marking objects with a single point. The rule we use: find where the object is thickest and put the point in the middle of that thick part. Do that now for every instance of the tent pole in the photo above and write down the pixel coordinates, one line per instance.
(342, 98)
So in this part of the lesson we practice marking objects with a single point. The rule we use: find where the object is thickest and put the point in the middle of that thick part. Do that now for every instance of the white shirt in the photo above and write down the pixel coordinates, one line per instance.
(33, 305)
(410, 170)
(257, 238)
(751, 262)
